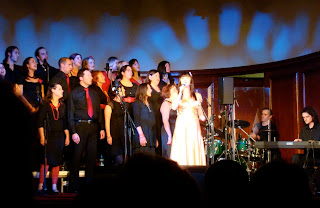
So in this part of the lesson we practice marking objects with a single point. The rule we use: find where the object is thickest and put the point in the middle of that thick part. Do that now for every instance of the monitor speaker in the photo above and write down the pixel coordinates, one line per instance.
(225, 90)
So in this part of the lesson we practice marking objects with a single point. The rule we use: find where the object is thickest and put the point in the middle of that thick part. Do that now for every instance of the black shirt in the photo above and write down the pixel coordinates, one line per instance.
(263, 133)
(46, 112)
(13, 76)
(307, 134)
(77, 103)
(144, 117)
(41, 72)
(60, 78)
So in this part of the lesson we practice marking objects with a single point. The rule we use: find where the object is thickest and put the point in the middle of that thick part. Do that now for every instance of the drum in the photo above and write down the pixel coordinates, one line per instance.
(218, 147)
(257, 155)
(242, 145)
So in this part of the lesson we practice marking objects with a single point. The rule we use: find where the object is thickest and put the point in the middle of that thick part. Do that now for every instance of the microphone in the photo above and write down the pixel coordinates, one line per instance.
(116, 85)
(107, 67)
(45, 63)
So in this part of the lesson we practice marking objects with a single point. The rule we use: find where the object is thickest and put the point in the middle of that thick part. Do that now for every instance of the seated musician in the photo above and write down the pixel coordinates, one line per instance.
(309, 132)
(260, 131)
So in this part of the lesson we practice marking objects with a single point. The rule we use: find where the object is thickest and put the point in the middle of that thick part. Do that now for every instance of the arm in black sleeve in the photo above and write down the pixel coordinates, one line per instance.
(71, 109)
(136, 113)
(42, 115)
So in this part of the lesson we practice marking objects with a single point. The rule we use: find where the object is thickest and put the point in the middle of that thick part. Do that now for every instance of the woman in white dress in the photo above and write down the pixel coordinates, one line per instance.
(187, 142)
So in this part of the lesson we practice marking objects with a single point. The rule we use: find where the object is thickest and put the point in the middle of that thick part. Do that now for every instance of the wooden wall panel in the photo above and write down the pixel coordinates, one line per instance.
(312, 89)
(284, 106)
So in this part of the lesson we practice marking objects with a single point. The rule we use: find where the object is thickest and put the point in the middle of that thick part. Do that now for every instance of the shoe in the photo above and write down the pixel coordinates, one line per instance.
(55, 191)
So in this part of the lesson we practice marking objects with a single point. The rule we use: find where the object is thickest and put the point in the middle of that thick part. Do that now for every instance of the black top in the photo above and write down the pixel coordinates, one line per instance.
(74, 82)
(47, 112)
(102, 96)
(155, 101)
(144, 117)
(307, 134)
(41, 72)
(117, 128)
(77, 108)
(13, 76)
(264, 134)
(60, 78)
(32, 92)
(130, 91)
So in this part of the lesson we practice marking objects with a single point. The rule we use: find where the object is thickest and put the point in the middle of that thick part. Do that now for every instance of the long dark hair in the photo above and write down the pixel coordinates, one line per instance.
(25, 70)
(8, 50)
(312, 112)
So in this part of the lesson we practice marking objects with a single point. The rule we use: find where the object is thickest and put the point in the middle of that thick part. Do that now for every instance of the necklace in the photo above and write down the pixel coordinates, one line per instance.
(148, 108)
(55, 108)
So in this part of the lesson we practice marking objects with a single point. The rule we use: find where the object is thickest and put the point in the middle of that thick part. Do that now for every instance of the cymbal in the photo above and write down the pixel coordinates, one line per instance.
(239, 123)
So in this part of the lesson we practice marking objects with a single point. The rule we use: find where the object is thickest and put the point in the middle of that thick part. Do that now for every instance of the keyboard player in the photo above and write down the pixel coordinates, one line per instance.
(309, 132)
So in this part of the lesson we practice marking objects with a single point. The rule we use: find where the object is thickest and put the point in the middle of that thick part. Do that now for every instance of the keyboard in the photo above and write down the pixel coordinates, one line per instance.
(287, 145)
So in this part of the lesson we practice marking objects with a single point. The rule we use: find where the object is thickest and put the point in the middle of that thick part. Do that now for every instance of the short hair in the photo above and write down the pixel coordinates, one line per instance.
(62, 60)
(36, 53)
(111, 60)
(270, 111)
(312, 112)
(81, 72)
(73, 56)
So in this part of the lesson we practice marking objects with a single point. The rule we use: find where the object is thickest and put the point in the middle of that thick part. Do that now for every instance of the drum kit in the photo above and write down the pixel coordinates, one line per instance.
(217, 147)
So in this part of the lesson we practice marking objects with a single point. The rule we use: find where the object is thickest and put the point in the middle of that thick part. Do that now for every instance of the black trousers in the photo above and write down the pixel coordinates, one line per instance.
(87, 147)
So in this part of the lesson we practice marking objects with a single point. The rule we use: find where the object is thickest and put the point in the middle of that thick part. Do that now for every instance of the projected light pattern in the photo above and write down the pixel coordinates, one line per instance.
(225, 39)
(197, 30)
(229, 25)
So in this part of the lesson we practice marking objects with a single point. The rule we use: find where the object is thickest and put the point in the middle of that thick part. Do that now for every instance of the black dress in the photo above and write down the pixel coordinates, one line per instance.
(155, 101)
(166, 149)
(55, 124)
(130, 92)
(117, 128)
(32, 92)
(144, 117)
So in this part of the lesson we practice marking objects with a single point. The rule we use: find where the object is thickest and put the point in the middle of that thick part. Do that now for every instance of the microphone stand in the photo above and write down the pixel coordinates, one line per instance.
(127, 120)
(46, 130)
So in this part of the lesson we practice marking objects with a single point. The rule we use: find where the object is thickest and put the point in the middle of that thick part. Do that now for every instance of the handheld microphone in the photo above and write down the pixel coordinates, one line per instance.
(107, 67)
